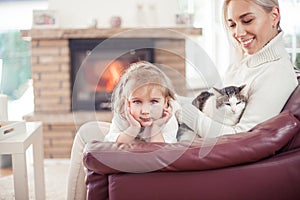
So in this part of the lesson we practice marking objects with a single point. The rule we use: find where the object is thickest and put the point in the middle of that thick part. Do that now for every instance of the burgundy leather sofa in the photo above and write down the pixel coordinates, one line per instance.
(263, 163)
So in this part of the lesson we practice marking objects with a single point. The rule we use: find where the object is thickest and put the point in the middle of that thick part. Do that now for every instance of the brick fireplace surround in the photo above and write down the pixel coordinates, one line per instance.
(50, 60)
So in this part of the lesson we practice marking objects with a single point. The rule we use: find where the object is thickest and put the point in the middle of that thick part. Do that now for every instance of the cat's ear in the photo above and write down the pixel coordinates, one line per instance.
(218, 90)
(242, 87)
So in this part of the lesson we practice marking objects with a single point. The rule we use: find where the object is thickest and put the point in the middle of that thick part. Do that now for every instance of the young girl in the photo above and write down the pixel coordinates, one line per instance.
(142, 106)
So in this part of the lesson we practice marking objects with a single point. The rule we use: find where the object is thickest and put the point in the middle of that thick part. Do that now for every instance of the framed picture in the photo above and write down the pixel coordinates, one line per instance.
(44, 19)
(184, 19)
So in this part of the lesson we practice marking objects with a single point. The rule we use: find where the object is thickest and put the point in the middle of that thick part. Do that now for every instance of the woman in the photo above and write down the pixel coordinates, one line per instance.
(263, 65)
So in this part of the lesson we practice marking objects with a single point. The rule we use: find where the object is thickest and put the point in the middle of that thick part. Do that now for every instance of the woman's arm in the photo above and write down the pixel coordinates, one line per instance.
(203, 125)
(267, 94)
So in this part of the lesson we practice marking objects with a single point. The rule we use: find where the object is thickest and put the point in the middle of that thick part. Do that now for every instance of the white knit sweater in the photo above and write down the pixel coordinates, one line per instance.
(270, 79)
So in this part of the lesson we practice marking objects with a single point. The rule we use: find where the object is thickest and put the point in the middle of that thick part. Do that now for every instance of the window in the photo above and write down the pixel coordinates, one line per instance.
(15, 68)
(290, 17)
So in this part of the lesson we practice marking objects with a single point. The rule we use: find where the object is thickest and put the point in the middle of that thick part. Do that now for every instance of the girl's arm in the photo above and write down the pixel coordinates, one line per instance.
(120, 131)
(165, 129)
(123, 130)
(157, 138)
(158, 125)
(130, 133)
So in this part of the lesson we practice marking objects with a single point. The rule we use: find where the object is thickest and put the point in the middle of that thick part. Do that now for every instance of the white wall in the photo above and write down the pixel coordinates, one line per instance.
(78, 13)
(18, 15)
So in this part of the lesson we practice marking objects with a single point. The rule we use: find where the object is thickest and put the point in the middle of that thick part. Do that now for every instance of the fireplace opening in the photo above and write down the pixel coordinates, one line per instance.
(97, 66)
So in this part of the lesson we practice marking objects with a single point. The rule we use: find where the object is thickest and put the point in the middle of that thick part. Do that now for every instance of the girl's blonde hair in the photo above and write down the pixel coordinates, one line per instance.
(139, 74)
(267, 5)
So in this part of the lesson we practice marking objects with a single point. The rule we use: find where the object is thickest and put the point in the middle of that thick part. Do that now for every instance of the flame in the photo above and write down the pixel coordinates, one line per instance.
(103, 80)
(110, 76)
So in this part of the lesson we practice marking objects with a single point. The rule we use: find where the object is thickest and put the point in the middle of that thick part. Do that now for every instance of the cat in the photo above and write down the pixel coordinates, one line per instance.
(226, 106)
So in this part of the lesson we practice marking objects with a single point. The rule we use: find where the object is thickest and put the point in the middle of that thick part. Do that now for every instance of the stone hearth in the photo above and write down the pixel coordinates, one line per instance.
(50, 60)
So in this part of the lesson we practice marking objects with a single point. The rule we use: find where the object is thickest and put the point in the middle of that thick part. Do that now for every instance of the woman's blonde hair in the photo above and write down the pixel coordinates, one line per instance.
(267, 5)
(139, 74)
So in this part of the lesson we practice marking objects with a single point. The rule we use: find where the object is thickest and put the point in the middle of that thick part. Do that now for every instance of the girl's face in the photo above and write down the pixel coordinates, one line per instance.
(250, 25)
(146, 104)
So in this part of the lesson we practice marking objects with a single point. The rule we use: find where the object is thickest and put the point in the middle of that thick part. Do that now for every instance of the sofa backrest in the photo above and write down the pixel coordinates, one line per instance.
(293, 104)
(264, 140)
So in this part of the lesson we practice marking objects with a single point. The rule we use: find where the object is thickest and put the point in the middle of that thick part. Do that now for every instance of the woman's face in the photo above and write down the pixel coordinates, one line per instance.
(250, 25)
(146, 104)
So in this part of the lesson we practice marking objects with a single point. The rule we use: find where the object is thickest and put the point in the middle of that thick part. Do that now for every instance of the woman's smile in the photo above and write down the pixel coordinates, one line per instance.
(247, 43)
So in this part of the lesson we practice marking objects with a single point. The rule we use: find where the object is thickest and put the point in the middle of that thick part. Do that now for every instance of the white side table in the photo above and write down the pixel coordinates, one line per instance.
(16, 146)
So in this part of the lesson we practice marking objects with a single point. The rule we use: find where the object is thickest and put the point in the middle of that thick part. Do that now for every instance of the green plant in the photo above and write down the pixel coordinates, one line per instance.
(16, 67)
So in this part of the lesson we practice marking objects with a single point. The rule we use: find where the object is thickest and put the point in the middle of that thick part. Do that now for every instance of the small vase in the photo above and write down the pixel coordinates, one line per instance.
(115, 22)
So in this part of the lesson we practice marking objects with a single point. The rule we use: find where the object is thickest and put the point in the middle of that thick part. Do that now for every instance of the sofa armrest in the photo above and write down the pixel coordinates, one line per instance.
(262, 141)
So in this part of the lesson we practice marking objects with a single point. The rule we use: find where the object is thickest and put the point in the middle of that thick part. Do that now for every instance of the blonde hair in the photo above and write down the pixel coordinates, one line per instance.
(266, 5)
(138, 75)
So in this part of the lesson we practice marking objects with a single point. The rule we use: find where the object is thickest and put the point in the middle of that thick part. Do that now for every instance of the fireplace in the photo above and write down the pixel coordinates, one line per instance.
(52, 71)
(97, 65)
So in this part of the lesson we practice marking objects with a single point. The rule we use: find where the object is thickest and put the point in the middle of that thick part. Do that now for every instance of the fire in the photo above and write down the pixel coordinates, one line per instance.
(110, 76)
(101, 79)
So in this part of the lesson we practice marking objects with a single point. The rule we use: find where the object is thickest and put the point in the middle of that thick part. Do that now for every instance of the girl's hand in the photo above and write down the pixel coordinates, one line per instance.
(133, 122)
(159, 123)
(134, 126)
(166, 115)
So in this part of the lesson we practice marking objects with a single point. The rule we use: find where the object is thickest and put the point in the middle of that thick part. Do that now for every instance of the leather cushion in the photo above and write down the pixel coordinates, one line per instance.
(262, 141)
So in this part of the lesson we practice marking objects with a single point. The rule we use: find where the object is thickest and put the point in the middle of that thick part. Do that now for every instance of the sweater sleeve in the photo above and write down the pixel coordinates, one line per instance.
(118, 125)
(203, 125)
(266, 98)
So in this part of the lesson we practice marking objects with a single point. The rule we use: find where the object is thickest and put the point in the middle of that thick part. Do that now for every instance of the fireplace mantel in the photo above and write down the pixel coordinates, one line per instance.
(110, 32)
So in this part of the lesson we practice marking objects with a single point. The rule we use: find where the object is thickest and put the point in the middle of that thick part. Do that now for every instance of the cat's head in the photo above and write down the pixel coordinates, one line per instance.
(231, 99)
